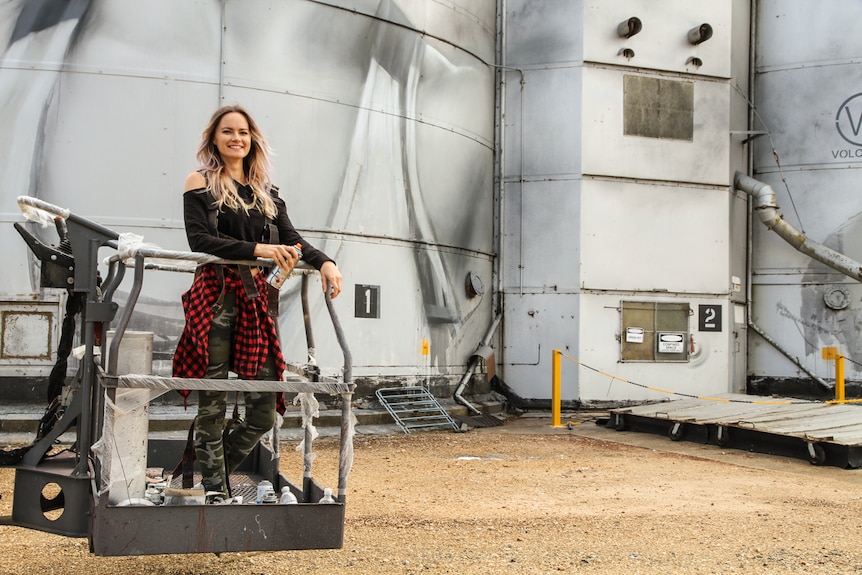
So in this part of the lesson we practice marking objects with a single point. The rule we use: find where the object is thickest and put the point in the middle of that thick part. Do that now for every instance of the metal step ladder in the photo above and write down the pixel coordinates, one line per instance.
(414, 408)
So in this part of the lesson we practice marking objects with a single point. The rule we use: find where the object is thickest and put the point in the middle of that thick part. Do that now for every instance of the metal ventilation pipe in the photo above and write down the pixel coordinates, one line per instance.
(767, 210)
(482, 352)
(700, 34)
(766, 207)
(630, 27)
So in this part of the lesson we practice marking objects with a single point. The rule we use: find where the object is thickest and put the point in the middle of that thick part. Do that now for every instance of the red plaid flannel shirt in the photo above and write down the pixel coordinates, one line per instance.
(254, 334)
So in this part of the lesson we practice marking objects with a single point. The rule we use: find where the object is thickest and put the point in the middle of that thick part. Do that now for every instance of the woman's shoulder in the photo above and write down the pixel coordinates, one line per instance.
(280, 204)
(195, 181)
(273, 192)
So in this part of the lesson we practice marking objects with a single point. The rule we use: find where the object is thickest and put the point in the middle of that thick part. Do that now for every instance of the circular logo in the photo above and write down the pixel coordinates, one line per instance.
(848, 120)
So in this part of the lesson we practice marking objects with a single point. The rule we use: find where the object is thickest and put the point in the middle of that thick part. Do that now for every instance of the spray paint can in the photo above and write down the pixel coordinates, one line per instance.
(278, 276)
(262, 488)
(154, 494)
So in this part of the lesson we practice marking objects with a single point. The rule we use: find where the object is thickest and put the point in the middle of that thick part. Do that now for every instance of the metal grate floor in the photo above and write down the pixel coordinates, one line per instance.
(240, 484)
(483, 420)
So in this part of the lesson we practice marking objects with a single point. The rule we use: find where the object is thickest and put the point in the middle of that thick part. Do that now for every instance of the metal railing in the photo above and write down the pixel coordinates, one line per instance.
(86, 237)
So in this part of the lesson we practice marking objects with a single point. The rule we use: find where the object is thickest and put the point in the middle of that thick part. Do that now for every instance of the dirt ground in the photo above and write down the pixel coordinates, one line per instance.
(529, 498)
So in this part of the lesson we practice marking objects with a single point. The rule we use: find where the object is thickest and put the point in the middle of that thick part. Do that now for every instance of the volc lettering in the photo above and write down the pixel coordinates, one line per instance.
(846, 154)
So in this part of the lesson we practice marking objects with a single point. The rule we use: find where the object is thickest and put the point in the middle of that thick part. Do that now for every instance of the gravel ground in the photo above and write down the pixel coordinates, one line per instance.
(528, 498)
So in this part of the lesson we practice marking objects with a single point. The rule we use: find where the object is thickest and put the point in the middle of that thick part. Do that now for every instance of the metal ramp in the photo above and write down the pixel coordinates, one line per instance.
(414, 408)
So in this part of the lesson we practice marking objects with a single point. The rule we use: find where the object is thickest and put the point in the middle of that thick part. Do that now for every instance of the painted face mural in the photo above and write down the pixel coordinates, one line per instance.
(831, 313)
(383, 145)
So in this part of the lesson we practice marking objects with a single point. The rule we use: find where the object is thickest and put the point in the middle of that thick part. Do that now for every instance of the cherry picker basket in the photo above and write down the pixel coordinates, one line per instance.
(70, 495)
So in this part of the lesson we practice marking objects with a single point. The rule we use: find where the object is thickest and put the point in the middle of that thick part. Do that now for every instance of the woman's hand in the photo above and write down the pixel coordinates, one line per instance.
(285, 257)
(330, 277)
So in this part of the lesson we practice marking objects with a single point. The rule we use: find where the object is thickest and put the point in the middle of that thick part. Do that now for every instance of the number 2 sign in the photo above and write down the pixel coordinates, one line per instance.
(709, 317)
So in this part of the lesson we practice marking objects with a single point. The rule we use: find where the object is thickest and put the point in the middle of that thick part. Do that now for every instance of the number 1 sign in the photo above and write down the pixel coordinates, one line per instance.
(367, 301)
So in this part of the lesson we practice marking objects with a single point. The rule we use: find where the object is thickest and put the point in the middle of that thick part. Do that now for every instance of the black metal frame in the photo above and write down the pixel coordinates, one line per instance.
(142, 530)
(741, 438)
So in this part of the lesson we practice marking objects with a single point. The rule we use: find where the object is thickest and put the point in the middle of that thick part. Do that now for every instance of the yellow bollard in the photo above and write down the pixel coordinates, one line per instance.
(839, 378)
(832, 353)
(555, 389)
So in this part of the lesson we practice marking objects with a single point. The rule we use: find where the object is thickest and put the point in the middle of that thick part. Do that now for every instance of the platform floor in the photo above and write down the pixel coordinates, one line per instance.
(823, 433)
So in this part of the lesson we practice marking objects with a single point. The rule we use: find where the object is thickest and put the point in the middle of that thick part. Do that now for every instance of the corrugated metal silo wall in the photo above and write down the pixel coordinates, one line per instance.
(617, 162)
(381, 114)
(807, 95)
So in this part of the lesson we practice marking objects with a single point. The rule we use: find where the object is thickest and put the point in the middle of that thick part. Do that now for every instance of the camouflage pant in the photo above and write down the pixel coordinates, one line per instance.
(212, 406)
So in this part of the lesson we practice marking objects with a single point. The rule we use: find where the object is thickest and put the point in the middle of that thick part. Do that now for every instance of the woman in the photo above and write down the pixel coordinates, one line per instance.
(232, 211)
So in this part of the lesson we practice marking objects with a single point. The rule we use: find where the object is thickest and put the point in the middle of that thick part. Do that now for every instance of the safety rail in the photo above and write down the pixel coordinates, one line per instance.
(86, 412)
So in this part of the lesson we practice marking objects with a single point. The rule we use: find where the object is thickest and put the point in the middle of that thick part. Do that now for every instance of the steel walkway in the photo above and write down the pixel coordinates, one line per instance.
(822, 433)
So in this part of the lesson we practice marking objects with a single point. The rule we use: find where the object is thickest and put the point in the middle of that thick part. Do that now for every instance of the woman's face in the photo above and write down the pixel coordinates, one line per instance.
(232, 137)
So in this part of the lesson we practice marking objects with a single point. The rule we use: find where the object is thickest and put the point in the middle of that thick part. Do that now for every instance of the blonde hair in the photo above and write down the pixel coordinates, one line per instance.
(255, 165)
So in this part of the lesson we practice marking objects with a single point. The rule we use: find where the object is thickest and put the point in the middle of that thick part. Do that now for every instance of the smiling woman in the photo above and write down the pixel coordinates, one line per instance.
(232, 139)
(233, 211)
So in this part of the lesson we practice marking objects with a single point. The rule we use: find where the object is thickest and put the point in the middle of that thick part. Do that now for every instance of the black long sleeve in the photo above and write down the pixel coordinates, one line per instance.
(240, 232)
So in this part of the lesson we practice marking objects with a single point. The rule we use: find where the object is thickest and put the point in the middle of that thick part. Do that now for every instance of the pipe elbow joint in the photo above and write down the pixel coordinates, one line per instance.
(762, 193)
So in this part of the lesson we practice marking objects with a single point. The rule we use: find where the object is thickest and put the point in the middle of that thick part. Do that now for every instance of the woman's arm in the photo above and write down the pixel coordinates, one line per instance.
(330, 276)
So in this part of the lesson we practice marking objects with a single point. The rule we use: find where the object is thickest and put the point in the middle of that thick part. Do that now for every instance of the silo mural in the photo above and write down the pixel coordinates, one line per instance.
(381, 114)
(807, 113)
